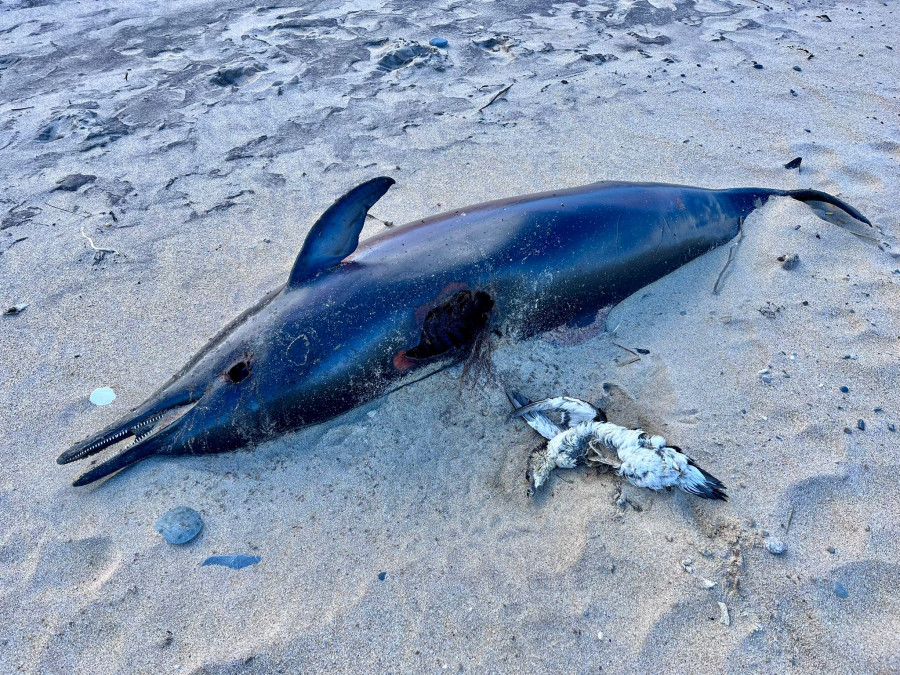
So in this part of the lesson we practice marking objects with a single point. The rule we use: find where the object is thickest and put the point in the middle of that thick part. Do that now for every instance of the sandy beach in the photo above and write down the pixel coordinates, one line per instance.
(161, 165)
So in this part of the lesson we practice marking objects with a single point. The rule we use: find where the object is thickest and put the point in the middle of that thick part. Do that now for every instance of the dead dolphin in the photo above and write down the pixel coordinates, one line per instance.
(355, 322)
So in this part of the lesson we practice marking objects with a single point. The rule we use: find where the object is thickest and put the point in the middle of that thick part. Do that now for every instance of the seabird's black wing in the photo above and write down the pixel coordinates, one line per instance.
(536, 420)
(574, 411)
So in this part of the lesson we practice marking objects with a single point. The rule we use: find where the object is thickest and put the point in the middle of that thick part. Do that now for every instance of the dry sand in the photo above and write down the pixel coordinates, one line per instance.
(237, 125)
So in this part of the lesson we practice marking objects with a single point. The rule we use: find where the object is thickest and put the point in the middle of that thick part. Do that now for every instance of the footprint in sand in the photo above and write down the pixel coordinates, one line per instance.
(84, 564)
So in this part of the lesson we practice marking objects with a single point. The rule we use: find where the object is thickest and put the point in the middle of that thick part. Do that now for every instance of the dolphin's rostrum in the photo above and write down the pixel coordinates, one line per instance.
(355, 322)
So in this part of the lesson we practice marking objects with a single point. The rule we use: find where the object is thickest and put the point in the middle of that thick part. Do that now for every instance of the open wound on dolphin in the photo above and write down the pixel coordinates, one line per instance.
(454, 324)
(239, 372)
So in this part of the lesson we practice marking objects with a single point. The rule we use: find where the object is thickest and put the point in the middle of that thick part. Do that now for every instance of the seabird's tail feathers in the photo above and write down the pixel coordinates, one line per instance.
(701, 483)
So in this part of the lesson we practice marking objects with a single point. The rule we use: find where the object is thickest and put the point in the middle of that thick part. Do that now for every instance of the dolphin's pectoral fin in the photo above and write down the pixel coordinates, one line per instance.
(336, 233)
(454, 324)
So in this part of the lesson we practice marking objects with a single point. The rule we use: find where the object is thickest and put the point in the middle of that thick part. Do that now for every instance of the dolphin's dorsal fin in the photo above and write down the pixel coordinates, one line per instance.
(336, 234)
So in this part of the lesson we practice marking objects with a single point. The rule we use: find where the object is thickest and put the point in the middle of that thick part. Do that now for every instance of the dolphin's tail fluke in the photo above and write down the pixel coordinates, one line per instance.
(820, 201)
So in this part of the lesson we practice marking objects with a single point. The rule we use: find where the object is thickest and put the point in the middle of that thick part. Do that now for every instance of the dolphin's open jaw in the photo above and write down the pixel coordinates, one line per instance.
(150, 432)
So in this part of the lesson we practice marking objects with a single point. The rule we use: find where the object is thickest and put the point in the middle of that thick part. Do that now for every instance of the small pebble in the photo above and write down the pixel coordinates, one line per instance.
(845, 389)
(15, 309)
(599, 634)
(166, 639)
(861, 425)
(794, 163)
(767, 379)
(179, 526)
(892, 427)
(798, 69)
(382, 576)
(683, 313)
(791, 262)
(839, 590)
(758, 66)
(831, 550)
(103, 396)
(438, 42)
(775, 546)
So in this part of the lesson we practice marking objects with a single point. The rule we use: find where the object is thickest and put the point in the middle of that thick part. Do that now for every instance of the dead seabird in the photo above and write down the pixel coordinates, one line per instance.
(585, 437)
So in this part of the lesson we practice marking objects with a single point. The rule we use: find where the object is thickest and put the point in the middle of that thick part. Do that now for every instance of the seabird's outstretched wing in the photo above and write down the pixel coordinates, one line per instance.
(536, 420)
(573, 411)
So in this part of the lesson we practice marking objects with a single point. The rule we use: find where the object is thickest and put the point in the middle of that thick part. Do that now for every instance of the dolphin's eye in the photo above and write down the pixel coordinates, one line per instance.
(239, 372)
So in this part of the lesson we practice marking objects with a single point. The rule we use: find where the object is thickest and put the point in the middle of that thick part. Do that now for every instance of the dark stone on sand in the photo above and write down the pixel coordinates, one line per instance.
(382, 576)
(839, 590)
(791, 262)
(74, 181)
(794, 163)
(758, 66)
(775, 546)
(798, 69)
(179, 526)
(439, 42)
(845, 389)
(861, 425)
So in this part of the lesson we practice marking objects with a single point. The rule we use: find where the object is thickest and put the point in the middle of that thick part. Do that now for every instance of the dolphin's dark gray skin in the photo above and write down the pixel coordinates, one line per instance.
(355, 322)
